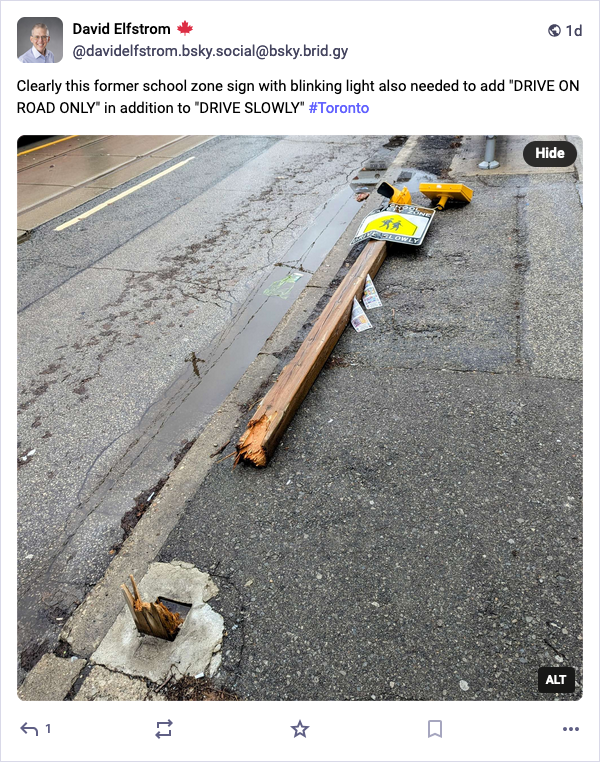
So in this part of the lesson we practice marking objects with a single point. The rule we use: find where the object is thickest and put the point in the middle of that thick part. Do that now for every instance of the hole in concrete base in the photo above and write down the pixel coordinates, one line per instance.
(176, 607)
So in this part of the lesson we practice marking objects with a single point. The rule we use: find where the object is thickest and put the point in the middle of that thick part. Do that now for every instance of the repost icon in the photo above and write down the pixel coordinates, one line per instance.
(434, 728)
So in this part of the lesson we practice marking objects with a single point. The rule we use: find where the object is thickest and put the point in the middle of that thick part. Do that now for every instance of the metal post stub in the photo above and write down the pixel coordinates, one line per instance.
(489, 161)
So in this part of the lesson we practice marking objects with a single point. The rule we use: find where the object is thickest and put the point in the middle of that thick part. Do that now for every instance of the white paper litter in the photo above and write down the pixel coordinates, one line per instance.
(359, 318)
(370, 297)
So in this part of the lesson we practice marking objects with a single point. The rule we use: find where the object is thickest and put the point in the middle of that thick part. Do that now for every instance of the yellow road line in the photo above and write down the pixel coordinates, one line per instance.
(54, 142)
(96, 209)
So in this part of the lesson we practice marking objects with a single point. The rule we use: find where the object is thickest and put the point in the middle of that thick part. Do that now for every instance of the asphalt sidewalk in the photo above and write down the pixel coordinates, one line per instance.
(417, 534)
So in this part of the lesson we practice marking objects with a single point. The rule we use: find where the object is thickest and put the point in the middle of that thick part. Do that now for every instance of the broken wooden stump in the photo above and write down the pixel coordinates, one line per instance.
(151, 618)
(278, 407)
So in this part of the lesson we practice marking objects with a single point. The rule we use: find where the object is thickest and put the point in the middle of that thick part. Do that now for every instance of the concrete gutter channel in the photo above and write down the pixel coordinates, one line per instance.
(64, 674)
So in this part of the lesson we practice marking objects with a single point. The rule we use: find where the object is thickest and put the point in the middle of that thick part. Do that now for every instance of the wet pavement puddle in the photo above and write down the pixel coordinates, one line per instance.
(211, 373)
(412, 178)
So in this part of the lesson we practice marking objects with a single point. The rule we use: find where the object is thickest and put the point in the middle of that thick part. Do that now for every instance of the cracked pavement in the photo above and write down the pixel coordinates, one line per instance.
(116, 316)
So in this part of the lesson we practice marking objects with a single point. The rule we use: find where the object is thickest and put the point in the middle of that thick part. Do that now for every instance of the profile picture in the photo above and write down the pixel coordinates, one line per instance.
(40, 39)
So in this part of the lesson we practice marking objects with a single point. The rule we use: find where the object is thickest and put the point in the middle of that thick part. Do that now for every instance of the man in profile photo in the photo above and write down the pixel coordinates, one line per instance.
(39, 52)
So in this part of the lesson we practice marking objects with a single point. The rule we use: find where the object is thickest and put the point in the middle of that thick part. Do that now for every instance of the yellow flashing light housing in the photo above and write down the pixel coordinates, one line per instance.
(395, 195)
(444, 192)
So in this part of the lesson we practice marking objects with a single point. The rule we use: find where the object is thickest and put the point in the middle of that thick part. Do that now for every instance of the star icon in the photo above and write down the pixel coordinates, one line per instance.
(300, 729)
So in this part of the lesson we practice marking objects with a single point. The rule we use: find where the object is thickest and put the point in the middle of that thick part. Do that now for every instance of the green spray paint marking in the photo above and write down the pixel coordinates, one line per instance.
(283, 287)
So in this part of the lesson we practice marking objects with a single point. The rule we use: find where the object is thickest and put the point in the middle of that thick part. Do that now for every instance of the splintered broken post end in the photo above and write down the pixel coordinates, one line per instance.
(151, 618)
(250, 447)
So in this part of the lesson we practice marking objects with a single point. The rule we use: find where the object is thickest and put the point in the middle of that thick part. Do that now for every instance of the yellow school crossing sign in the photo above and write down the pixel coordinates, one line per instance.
(398, 223)
(394, 222)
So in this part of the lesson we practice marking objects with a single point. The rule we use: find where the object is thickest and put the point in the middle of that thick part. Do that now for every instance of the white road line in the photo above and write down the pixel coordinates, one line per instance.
(96, 209)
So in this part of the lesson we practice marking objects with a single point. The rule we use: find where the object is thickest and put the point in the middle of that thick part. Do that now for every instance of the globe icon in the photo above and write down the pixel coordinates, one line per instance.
(554, 30)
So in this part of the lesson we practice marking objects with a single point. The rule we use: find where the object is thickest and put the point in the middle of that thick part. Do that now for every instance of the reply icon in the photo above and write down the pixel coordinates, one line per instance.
(434, 728)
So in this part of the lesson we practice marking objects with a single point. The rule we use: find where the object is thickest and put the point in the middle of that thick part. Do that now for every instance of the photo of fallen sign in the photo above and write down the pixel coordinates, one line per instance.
(397, 224)
(417, 531)
(397, 221)
(400, 223)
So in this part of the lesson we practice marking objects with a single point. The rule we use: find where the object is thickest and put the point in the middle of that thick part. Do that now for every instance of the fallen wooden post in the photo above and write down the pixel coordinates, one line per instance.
(278, 407)
(151, 618)
(409, 225)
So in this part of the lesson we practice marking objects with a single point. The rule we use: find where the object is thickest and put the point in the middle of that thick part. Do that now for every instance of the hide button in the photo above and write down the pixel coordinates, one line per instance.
(550, 153)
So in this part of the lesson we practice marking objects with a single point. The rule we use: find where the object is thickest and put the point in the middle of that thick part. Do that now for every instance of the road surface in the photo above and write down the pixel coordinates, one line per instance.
(120, 316)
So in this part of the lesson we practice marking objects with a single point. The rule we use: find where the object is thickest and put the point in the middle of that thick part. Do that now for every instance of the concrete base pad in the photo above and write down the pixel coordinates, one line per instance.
(103, 685)
(124, 649)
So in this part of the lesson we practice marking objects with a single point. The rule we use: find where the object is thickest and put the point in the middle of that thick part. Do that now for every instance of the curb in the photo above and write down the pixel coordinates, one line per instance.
(91, 621)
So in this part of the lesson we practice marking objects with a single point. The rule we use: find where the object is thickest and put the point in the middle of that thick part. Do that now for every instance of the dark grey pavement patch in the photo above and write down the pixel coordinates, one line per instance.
(495, 287)
(414, 530)
(418, 532)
